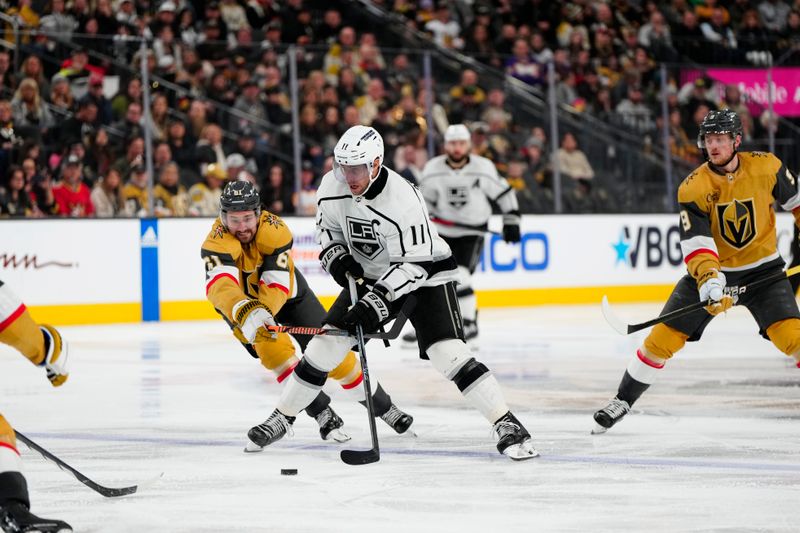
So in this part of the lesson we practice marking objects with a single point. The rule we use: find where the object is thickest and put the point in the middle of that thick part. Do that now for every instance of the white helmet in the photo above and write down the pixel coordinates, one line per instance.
(360, 145)
(457, 132)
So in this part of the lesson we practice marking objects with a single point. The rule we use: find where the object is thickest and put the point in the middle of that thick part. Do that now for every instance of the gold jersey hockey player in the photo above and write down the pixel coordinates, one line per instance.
(728, 239)
(42, 346)
(251, 280)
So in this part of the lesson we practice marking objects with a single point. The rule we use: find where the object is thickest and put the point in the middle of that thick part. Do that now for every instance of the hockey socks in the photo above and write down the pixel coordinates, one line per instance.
(640, 374)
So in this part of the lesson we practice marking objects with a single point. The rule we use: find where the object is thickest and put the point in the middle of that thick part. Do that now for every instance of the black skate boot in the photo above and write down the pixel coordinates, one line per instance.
(330, 425)
(610, 415)
(513, 439)
(16, 518)
(397, 419)
(271, 430)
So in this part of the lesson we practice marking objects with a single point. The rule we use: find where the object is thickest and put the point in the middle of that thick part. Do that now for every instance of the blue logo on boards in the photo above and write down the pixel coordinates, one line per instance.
(648, 246)
(531, 254)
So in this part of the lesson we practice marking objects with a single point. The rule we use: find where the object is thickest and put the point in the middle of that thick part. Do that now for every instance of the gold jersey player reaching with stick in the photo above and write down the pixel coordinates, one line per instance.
(728, 239)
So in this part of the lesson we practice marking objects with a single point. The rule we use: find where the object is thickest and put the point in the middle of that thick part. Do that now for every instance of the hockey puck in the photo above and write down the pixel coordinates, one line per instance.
(288, 471)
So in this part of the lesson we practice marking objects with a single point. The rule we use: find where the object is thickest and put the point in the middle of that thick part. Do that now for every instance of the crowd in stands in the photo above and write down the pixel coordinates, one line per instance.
(71, 144)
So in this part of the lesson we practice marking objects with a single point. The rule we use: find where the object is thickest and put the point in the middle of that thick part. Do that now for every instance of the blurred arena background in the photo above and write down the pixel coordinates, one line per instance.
(143, 109)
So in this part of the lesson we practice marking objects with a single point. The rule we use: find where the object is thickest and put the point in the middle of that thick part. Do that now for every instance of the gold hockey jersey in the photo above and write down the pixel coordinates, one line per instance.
(727, 221)
(262, 269)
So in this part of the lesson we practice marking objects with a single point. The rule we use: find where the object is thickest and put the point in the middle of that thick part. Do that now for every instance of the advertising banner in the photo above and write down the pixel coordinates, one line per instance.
(84, 271)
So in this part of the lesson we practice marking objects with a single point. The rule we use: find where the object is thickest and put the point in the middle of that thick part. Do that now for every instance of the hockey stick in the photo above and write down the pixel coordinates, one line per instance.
(363, 457)
(484, 228)
(393, 333)
(105, 491)
(626, 329)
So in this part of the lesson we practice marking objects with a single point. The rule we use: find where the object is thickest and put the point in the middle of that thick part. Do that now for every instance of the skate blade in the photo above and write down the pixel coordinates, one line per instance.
(337, 435)
(598, 429)
(252, 447)
(521, 452)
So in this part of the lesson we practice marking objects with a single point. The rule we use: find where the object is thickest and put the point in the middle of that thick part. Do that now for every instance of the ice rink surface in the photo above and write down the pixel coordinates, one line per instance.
(714, 446)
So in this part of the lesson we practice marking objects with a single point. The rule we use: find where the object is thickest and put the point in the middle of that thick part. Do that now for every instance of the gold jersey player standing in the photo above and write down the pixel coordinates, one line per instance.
(42, 346)
(728, 239)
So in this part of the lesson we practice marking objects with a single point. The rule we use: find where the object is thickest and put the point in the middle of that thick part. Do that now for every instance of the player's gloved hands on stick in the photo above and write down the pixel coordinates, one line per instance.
(511, 228)
(338, 262)
(712, 287)
(369, 312)
(251, 317)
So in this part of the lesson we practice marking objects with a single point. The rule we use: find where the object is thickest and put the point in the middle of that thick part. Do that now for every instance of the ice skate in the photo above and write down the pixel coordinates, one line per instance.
(271, 430)
(16, 518)
(330, 426)
(610, 415)
(513, 439)
(398, 420)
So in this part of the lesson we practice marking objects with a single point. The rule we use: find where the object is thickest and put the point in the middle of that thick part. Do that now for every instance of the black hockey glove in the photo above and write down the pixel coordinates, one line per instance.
(369, 312)
(338, 263)
(511, 227)
(511, 233)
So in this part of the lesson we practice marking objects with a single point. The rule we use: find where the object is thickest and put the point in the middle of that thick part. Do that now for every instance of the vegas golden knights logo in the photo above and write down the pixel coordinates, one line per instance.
(737, 222)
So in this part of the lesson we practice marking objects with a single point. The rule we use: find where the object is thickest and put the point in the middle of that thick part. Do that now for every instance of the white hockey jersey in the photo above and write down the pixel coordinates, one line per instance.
(387, 230)
(464, 196)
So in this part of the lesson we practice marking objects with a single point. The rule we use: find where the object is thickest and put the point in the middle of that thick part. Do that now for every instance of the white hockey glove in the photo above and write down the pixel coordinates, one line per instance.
(251, 317)
(712, 287)
(55, 358)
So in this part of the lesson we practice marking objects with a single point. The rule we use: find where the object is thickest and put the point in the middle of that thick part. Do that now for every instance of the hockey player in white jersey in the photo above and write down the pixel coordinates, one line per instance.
(459, 189)
(373, 225)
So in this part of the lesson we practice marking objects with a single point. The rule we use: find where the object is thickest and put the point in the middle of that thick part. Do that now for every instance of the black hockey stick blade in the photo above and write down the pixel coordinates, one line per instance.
(108, 492)
(626, 329)
(360, 457)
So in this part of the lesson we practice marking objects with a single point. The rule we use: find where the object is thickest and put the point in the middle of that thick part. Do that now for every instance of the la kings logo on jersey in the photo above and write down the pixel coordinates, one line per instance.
(363, 238)
(457, 196)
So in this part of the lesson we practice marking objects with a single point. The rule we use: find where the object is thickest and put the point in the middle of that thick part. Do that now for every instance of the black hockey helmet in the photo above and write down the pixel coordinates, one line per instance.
(239, 196)
(719, 121)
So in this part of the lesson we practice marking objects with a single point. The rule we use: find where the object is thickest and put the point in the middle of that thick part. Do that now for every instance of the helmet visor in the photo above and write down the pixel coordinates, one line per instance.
(353, 175)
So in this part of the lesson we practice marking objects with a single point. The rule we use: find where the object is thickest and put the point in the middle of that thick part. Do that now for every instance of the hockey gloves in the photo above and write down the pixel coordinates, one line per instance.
(712, 287)
(55, 359)
(511, 227)
(369, 312)
(251, 316)
(338, 263)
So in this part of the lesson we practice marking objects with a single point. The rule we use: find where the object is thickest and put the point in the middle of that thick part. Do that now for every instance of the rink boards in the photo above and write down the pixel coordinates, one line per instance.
(105, 271)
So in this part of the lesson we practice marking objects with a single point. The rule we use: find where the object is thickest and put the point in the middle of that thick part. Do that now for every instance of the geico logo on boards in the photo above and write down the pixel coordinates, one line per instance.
(531, 253)
(648, 246)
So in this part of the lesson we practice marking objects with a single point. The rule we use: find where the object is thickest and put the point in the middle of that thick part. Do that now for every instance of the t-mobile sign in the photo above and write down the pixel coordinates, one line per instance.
(753, 83)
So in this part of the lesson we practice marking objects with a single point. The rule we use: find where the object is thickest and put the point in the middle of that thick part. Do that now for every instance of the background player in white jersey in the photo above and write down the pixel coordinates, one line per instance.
(43, 347)
(460, 189)
(373, 225)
